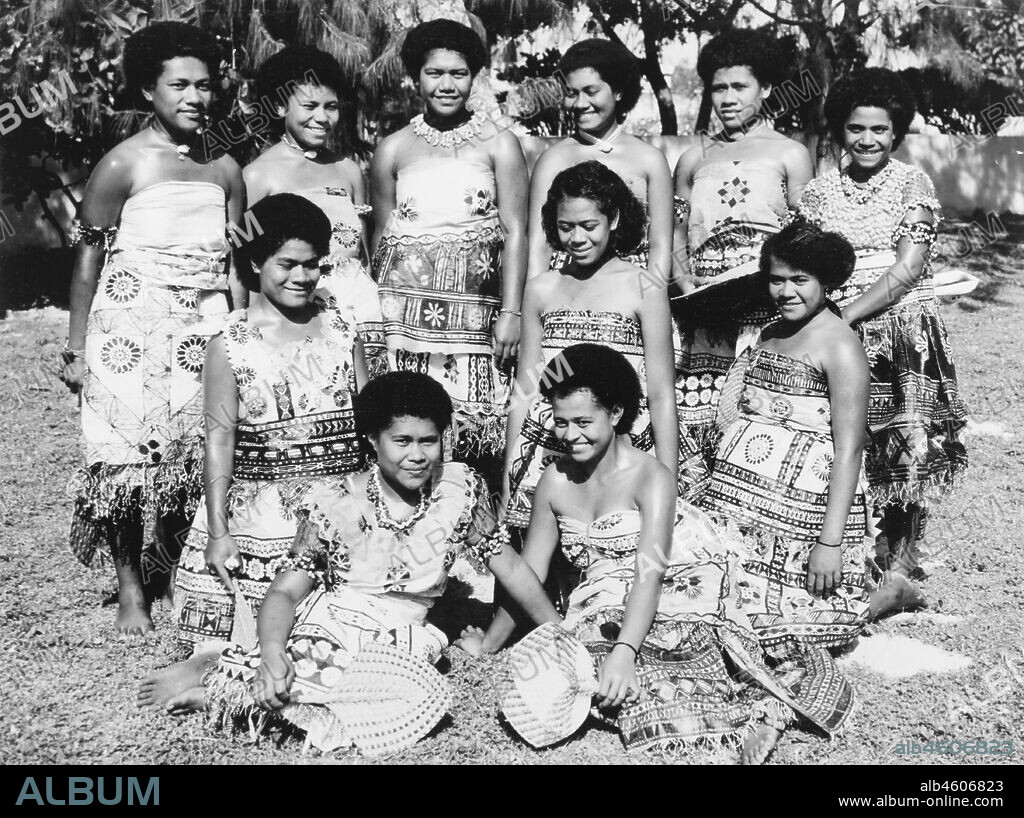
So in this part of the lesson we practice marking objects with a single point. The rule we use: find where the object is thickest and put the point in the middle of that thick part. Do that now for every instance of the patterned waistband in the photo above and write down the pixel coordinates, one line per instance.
(313, 445)
(199, 271)
(471, 236)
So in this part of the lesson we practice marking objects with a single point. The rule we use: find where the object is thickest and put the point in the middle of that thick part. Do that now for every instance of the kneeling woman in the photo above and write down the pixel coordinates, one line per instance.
(655, 605)
(371, 556)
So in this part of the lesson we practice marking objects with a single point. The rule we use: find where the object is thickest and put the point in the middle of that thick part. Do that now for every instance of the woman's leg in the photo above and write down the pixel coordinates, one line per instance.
(179, 687)
(897, 591)
(133, 610)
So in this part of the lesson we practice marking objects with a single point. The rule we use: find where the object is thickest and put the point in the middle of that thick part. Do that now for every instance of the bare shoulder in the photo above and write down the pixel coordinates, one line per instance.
(385, 154)
(688, 161)
(541, 287)
(654, 479)
(841, 346)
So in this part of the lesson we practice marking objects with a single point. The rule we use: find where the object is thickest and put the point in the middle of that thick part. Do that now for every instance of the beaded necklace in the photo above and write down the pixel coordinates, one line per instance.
(862, 192)
(383, 514)
(466, 132)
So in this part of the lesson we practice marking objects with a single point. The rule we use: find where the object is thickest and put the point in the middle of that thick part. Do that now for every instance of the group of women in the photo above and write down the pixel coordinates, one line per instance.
(712, 407)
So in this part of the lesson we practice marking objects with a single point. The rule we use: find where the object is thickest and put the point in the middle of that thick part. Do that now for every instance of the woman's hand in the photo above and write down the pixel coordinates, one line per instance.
(506, 338)
(824, 570)
(471, 640)
(222, 556)
(274, 677)
(73, 374)
(617, 679)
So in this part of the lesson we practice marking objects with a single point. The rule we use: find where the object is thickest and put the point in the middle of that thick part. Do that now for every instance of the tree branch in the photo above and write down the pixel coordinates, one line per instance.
(779, 19)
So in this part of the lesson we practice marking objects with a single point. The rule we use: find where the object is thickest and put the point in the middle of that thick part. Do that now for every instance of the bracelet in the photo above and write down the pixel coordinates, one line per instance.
(68, 354)
(636, 653)
(829, 544)
(517, 313)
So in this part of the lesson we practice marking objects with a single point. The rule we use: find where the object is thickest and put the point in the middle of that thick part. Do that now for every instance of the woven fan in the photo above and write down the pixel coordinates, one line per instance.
(243, 631)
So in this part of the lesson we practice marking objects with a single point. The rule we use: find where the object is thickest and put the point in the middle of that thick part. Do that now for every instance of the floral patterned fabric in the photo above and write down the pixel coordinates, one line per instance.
(916, 416)
(160, 296)
(770, 478)
(734, 206)
(344, 280)
(295, 427)
(439, 270)
(702, 673)
(537, 447)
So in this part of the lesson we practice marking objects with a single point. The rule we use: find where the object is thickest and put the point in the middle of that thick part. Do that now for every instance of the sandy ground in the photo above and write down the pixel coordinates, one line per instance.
(69, 683)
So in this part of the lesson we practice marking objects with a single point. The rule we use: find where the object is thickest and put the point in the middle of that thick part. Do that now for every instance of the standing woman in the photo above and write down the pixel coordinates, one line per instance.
(602, 85)
(148, 291)
(732, 192)
(449, 203)
(888, 211)
(308, 93)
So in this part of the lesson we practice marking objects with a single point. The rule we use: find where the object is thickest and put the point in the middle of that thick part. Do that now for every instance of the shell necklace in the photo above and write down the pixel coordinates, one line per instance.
(453, 138)
(862, 192)
(291, 143)
(182, 150)
(603, 144)
(383, 513)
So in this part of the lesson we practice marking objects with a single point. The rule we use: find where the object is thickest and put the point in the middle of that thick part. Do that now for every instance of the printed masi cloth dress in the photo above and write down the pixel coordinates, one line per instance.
(536, 447)
(160, 297)
(344, 280)
(372, 584)
(734, 206)
(439, 272)
(295, 426)
(703, 676)
(770, 478)
(916, 415)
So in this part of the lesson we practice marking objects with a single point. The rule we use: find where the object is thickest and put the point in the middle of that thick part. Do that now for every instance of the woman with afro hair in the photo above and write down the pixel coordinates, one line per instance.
(888, 211)
(449, 204)
(149, 289)
(732, 190)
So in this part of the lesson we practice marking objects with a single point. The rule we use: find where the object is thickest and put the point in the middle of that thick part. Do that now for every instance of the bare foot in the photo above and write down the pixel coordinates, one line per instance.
(895, 593)
(160, 688)
(190, 701)
(759, 744)
(133, 617)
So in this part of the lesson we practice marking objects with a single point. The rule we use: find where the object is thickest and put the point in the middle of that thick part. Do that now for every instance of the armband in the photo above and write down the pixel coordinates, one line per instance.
(94, 236)
(917, 232)
(681, 207)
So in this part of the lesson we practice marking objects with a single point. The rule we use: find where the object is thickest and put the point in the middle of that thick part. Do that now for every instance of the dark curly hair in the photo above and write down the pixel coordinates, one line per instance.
(871, 88)
(605, 188)
(297, 65)
(803, 246)
(146, 51)
(757, 50)
(401, 394)
(614, 63)
(446, 34)
(602, 370)
(280, 218)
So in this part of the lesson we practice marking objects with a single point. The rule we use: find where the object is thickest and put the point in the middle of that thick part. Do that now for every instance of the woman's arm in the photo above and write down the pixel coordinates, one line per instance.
(105, 195)
(382, 190)
(362, 371)
(846, 368)
(512, 180)
(681, 212)
(541, 542)
(220, 405)
(544, 172)
(911, 252)
(358, 199)
(236, 211)
(661, 215)
(659, 358)
(657, 501)
(527, 379)
(275, 675)
(799, 171)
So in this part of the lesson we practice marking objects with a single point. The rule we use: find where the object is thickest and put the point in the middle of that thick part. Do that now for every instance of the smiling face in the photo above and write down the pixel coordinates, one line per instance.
(583, 230)
(181, 95)
(408, 452)
(311, 115)
(585, 426)
(868, 137)
(445, 82)
(737, 97)
(796, 294)
(289, 276)
(591, 101)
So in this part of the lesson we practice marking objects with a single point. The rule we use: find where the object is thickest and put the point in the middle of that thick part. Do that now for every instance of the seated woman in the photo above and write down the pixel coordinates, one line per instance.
(370, 558)
(655, 605)
(788, 470)
(278, 384)
(308, 93)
